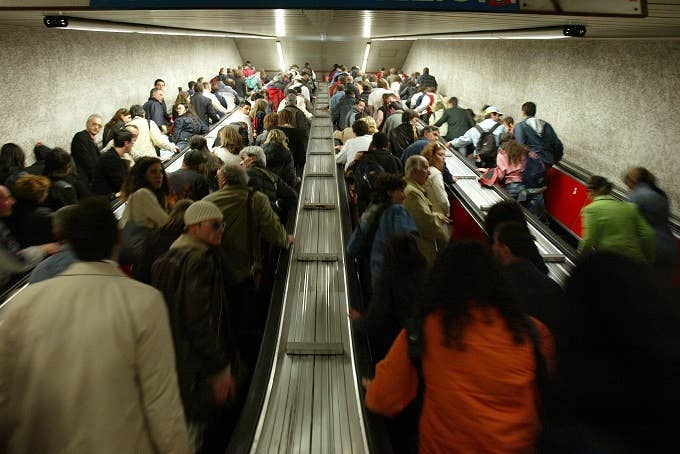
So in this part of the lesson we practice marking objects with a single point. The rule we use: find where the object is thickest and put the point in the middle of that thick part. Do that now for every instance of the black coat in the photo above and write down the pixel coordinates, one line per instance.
(240, 86)
(281, 196)
(192, 282)
(401, 137)
(109, 174)
(85, 153)
(187, 126)
(62, 192)
(387, 161)
(155, 111)
(204, 109)
(301, 121)
(31, 224)
(280, 161)
(458, 121)
(296, 144)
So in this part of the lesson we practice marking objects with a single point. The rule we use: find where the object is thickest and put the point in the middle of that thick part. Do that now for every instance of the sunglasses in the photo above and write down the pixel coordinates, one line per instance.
(216, 225)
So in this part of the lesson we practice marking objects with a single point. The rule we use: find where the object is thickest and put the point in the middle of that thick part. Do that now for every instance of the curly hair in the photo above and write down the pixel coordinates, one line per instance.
(429, 151)
(372, 126)
(136, 179)
(454, 287)
(516, 151)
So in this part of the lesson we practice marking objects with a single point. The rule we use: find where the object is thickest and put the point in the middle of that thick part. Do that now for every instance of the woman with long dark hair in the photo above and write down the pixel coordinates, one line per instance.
(146, 193)
(478, 361)
(296, 138)
(186, 125)
(116, 123)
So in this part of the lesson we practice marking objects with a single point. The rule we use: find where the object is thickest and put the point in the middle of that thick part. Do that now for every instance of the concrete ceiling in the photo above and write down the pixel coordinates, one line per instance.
(324, 37)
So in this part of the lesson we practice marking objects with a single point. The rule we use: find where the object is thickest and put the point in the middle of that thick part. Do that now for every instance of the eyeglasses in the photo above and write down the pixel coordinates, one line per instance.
(216, 225)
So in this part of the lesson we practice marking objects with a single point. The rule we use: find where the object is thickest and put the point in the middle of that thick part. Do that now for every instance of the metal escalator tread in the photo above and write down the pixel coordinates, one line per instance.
(312, 401)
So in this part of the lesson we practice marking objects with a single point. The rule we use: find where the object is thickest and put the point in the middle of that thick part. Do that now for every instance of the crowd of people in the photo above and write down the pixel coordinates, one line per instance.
(206, 237)
(476, 348)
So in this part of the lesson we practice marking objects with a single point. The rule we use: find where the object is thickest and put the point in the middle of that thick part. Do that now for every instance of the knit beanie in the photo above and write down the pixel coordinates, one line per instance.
(201, 211)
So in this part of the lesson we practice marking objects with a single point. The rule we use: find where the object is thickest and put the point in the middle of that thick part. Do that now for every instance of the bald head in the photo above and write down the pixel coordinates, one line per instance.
(417, 169)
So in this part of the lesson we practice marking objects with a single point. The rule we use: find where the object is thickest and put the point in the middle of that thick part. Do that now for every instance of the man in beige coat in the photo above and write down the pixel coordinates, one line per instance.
(429, 223)
(86, 358)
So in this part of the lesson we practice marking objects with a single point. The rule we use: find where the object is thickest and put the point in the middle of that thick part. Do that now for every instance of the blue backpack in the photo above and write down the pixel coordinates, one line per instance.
(253, 82)
(534, 172)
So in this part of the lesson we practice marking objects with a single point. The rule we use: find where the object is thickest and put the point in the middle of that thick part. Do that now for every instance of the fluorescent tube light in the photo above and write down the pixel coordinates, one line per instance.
(279, 50)
(70, 23)
(367, 25)
(280, 22)
(365, 60)
(537, 33)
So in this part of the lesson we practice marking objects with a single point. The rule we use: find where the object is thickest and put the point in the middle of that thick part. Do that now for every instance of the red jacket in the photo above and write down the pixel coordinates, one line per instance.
(275, 97)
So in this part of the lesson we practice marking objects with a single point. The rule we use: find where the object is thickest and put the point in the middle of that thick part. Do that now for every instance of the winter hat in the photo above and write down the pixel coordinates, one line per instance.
(201, 211)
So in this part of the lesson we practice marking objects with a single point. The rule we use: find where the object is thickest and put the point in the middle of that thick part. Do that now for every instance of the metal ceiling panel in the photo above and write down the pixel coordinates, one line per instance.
(324, 37)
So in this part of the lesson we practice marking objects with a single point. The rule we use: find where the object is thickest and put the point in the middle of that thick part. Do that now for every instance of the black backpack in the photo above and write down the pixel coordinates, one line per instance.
(533, 176)
(366, 171)
(486, 148)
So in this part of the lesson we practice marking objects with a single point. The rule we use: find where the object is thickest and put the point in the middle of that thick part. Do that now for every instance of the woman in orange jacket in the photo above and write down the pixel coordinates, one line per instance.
(478, 362)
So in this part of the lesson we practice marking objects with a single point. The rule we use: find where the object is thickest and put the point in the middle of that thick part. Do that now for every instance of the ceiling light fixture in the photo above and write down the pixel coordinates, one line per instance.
(280, 22)
(367, 24)
(364, 62)
(70, 23)
(567, 31)
(279, 50)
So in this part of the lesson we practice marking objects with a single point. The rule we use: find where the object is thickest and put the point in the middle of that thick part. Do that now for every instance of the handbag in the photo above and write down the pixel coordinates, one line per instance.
(489, 177)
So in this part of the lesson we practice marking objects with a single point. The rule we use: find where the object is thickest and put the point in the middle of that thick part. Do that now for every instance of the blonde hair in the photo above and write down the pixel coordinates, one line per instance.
(277, 136)
(372, 127)
(428, 153)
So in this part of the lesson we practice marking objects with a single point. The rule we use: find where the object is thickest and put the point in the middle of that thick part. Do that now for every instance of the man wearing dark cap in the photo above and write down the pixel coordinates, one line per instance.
(189, 181)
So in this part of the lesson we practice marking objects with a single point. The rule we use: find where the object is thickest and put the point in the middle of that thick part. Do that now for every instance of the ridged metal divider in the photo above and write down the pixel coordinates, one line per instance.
(312, 403)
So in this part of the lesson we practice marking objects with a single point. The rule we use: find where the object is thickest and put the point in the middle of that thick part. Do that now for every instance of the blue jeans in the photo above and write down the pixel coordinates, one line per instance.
(532, 202)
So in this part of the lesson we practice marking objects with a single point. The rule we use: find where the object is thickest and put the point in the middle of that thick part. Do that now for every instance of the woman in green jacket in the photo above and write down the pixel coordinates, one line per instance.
(614, 225)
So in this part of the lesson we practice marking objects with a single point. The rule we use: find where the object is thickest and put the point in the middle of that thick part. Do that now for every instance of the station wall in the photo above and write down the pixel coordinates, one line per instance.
(610, 102)
(52, 80)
